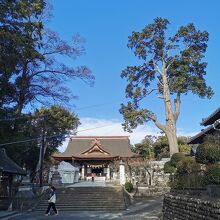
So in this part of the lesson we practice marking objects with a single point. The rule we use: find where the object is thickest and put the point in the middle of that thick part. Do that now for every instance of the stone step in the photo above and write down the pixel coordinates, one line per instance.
(87, 189)
(86, 205)
(85, 209)
(91, 196)
(86, 199)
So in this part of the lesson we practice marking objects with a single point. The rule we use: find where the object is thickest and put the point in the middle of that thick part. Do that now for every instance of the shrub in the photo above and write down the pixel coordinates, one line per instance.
(129, 186)
(212, 175)
(185, 148)
(187, 166)
(176, 158)
(207, 154)
(187, 174)
(168, 168)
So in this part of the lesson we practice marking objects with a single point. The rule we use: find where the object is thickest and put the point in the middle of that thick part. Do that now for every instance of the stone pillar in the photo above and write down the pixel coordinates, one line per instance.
(108, 173)
(122, 172)
(56, 178)
(76, 177)
(83, 172)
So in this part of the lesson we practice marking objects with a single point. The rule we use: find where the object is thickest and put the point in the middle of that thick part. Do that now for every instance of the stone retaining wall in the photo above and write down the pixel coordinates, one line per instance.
(151, 191)
(180, 207)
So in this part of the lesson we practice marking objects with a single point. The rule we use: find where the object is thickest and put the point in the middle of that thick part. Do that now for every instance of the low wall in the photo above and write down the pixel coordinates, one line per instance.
(27, 197)
(183, 207)
(143, 191)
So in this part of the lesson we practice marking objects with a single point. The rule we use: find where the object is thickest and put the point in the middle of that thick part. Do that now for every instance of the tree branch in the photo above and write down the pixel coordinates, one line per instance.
(159, 81)
(157, 68)
(170, 63)
(152, 90)
(157, 123)
(160, 97)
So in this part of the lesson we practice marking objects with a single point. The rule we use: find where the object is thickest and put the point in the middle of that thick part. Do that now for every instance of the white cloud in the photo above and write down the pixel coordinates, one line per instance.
(113, 127)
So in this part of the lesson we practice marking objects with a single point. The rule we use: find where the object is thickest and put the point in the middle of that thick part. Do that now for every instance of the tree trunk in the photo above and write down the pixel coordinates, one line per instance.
(172, 140)
(171, 118)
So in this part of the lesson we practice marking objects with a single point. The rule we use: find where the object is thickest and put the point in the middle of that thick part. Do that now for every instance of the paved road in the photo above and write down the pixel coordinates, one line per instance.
(150, 210)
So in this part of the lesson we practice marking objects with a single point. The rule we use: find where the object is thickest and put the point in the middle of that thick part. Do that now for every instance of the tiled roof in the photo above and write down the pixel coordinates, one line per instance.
(9, 166)
(116, 146)
(198, 139)
(211, 118)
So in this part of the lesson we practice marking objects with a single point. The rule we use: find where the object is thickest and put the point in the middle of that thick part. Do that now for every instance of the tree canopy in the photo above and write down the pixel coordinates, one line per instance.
(157, 147)
(33, 80)
(172, 65)
(57, 122)
(30, 70)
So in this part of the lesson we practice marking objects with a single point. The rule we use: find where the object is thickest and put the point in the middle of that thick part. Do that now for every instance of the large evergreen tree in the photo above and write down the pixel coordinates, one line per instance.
(30, 71)
(172, 66)
(31, 74)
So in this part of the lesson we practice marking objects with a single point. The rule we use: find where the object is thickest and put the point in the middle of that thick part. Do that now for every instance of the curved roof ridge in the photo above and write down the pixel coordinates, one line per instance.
(106, 137)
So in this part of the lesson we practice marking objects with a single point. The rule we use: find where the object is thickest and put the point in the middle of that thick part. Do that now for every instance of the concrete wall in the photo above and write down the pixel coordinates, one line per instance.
(180, 207)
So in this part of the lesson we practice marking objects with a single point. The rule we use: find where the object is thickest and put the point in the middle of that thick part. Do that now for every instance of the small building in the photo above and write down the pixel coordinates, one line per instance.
(67, 172)
(8, 170)
(212, 123)
(97, 155)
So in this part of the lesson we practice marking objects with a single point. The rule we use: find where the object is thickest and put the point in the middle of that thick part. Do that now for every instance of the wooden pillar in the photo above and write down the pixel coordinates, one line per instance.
(10, 179)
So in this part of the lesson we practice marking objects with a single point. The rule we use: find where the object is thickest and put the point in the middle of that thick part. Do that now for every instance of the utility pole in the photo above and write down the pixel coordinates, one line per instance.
(42, 153)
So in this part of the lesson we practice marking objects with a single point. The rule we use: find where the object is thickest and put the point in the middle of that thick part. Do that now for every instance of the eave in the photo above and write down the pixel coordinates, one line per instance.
(199, 138)
(94, 158)
(211, 118)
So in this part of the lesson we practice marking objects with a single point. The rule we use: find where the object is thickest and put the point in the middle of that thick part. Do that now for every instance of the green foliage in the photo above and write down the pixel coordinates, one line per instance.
(168, 168)
(161, 147)
(30, 71)
(31, 74)
(212, 175)
(213, 139)
(20, 33)
(145, 148)
(158, 147)
(207, 153)
(185, 148)
(172, 65)
(187, 174)
(187, 165)
(129, 186)
(176, 158)
(186, 69)
(57, 121)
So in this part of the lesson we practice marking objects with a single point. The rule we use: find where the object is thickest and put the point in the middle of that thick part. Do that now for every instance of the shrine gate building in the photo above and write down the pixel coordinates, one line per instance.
(97, 155)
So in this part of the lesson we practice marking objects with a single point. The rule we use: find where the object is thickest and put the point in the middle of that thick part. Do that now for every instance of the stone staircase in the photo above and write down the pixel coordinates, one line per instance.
(4, 203)
(86, 199)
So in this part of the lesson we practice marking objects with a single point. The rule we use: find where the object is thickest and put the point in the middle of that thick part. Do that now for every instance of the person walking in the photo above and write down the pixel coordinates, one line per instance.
(93, 177)
(52, 201)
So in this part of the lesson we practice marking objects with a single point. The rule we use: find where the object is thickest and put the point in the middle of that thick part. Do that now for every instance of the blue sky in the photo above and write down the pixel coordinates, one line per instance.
(106, 26)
